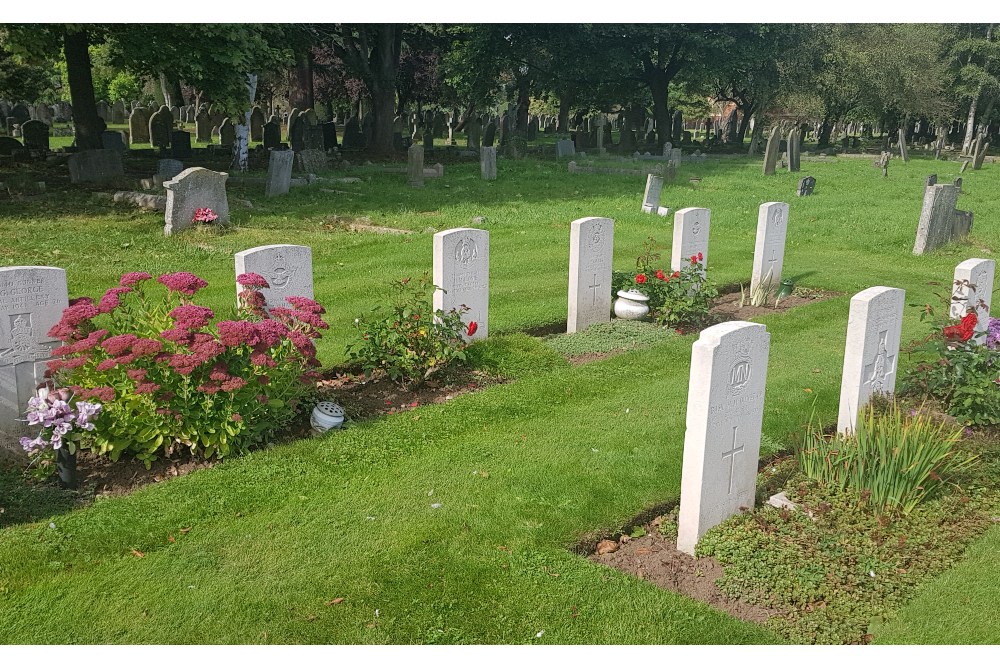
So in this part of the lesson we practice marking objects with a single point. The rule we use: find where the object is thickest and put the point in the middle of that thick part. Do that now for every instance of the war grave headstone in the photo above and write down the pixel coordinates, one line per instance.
(415, 166)
(488, 163)
(279, 173)
(35, 134)
(32, 300)
(872, 351)
(96, 166)
(725, 412)
(972, 289)
(192, 189)
(286, 268)
(462, 271)
(591, 245)
(690, 237)
(769, 249)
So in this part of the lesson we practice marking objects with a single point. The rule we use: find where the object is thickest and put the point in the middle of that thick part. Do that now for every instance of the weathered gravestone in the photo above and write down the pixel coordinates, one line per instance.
(104, 111)
(651, 196)
(771, 151)
(114, 140)
(272, 133)
(202, 126)
(279, 173)
(168, 169)
(35, 134)
(565, 148)
(117, 113)
(180, 144)
(473, 133)
(176, 113)
(330, 136)
(296, 131)
(488, 163)
(415, 166)
(940, 222)
(806, 186)
(872, 351)
(794, 150)
(930, 180)
(161, 124)
(312, 135)
(769, 250)
(725, 412)
(286, 268)
(904, 155)
(10, 145)
(195, 188)
(227, 133)
(256, 124)
(965, 165)
(883, 162)
(591, 245)
(97, 166)
(353, 137)
(691, 227)
(462, 271)
(958, 184)
(138, 126)
(977, 162)
(43, 113)
(32, 300)
(312, 160)
(972, 289)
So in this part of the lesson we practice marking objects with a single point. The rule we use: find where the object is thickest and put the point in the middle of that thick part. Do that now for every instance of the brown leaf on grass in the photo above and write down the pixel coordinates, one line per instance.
(171, 539)
(606, 547)
(573, 612)
(185, 531)
(333, 601)
(311, 617)
(507, 549)
(138, 554)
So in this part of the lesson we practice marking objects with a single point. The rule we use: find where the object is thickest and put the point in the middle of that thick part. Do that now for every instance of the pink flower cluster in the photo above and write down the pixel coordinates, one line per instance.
(204, 215)
(183, 282)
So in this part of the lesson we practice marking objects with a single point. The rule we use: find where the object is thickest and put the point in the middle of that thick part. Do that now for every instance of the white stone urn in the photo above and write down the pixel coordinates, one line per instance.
(631, 305)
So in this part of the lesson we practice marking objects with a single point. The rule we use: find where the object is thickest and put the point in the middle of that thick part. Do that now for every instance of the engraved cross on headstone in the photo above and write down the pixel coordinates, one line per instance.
(732, 461)
(883, 364)
(596, 286)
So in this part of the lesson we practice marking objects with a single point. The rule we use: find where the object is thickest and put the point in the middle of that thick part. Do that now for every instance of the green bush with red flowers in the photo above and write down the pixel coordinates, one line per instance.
(958, 367)
(411, 341)
(169, 378)
(676, 298)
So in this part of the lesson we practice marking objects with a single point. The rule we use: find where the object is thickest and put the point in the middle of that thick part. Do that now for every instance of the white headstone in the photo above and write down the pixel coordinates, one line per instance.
(872, 352)
(192, 189)
(32, 300)
(690, 236)
(651, 197)
(769, 251)
(286, 268)
(974, 284)
(462, 271)
(725, 410)
(591, 245)
(279, 173)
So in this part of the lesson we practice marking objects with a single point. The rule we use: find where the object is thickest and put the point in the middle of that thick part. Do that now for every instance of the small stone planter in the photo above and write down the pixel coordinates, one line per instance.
(631, 305)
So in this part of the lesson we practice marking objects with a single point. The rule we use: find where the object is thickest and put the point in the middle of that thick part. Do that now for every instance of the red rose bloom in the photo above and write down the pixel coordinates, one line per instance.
(660, 275)
(640, 279)
(472, 329)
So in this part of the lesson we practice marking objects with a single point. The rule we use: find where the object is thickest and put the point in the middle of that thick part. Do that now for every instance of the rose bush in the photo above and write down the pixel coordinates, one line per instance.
(169, 379)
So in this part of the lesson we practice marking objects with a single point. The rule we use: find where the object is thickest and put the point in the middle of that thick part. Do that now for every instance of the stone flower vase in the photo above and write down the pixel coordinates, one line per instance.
(631, 305)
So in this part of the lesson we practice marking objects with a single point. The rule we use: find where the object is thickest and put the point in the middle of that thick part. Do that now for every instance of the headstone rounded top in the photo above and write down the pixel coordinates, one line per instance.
(193, 171)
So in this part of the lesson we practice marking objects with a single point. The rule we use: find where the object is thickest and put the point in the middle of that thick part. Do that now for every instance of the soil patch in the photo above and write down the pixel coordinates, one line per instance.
(654, 557)
(727, 306)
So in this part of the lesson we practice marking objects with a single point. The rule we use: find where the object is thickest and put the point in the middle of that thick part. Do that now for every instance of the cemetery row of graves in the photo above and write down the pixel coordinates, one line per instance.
(498, 488)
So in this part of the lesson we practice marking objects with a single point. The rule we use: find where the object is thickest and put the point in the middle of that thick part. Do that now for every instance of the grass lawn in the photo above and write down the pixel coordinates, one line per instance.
(251, 550)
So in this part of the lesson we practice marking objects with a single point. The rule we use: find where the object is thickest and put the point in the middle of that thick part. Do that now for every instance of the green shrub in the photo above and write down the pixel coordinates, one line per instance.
(892, 462)
(616, 335)
(412, 341)
(168, 378)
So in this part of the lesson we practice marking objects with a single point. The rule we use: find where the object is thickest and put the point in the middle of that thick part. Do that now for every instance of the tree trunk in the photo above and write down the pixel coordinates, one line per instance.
(300, 93)
(984, 117)
(241, 147)
(970, 125)
(824, 132)
(171, 89)
(566, 100)
(464, 118)
(758, 132)
(745, 115)
(661, 114)
(521, 113)
(81, 89)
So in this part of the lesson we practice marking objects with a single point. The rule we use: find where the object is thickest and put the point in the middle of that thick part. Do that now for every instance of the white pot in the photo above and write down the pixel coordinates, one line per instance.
(631, 305)
(326, 415)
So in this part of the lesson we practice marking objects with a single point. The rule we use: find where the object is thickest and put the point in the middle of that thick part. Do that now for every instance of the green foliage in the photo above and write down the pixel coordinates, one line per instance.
(412, 341)
(124, 86)
(514, 355)
(891, 462)
(170, 380)
(614, 336)
(964, 376)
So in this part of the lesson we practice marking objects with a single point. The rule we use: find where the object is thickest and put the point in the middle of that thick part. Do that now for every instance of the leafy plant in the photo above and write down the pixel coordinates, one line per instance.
(412, 341)
(167, 378)
(891, 461)
(760, 293)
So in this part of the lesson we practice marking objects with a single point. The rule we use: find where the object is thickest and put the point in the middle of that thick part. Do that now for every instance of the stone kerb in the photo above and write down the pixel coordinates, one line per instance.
(691, 227)
(286, 268)
(769, 250)
(591, 246)
(32, 299)
(872, 351)
(462, 271)
(725, 411)
(972, 288)
(192, 189)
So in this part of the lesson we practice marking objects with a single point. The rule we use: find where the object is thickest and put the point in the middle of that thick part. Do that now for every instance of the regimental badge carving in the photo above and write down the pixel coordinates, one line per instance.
(466, 252)
(596, 236)
(739, 374)
(882, 365)
(23, 347)
(776, 216)
(281, 274)
(696, 227)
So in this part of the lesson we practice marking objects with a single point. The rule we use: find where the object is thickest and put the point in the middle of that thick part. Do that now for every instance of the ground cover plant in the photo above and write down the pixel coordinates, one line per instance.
(455, 521)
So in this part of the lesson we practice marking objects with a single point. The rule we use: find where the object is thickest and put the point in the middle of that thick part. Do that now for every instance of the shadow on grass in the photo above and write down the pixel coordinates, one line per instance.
(25, 501)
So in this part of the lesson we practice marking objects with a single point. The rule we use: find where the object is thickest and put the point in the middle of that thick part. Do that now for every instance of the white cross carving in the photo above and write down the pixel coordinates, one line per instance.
(732, 460)
(596, 286)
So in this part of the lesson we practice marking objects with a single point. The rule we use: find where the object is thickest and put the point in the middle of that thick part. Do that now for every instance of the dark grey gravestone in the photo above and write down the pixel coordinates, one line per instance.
(958, 184)
(965, 165)
(9, 146)
(490, 134)
(161, 124)
(99, 166)
(279, 173)
(272, 133)
(329, 135)
(930, 180)
(180, 144)
(113, 139)
(806, 186)
(35, 134)
(168, 168)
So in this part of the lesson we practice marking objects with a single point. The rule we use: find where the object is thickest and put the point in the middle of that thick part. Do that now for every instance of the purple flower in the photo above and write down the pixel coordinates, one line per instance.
(306, 304)
(235, 333)
(133, 278)
(191, 317)
(32, 445)
(120, 344)
(993, 333)
(254, 280)
(183, 282)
